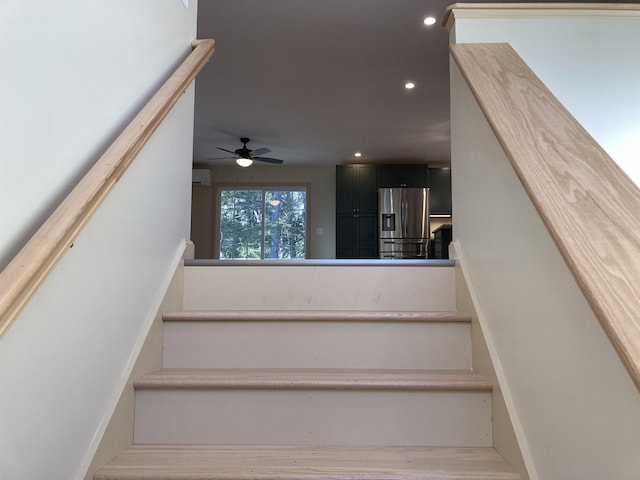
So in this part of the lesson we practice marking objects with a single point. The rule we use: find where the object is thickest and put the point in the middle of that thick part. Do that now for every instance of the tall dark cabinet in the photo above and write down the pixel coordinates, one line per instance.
(440, 191)
(356, 211)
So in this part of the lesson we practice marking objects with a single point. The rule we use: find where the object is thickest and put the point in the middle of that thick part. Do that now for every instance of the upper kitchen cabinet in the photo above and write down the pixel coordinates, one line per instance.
(440, 191)
(356, 189)
(418, 176)
(395, 176)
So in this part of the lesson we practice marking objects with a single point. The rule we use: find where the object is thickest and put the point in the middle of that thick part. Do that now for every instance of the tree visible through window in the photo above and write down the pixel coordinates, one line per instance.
(262, 222)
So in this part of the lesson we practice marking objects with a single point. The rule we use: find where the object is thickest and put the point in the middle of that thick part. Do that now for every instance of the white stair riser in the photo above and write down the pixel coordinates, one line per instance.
(313, 418)
(317, 345)
(336, 287)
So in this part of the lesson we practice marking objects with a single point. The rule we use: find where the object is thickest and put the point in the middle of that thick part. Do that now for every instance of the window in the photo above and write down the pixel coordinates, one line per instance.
(262, 222)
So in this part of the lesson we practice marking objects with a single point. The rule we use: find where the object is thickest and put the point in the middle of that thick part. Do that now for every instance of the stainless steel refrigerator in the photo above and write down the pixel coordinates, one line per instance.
(403, 223)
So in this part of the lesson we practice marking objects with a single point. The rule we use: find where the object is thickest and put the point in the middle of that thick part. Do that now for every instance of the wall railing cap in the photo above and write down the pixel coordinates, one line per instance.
(537, 10)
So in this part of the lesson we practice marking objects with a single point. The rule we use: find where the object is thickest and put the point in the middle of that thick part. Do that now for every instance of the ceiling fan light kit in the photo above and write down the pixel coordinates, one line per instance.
(245, 156)
(244, 162)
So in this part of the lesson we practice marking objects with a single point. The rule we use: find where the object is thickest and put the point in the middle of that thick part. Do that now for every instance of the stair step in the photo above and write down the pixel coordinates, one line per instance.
(313, 379)
(173, 462)
(313, 407)
(306, 339)
(315, 315)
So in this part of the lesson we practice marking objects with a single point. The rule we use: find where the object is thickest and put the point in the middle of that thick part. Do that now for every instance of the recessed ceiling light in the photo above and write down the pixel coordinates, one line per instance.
(409, 85)
(357, 154)
(430, 21)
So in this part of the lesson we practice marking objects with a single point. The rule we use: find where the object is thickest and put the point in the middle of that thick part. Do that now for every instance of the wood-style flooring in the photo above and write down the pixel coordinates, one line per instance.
(201, 462)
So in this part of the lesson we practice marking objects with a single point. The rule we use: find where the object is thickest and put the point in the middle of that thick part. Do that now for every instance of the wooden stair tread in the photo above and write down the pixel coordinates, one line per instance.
(314, 379)
(315, 315)
(204, 462)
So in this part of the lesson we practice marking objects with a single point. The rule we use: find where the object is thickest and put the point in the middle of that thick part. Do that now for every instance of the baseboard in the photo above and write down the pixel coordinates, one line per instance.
(508, 434)
(116, 428)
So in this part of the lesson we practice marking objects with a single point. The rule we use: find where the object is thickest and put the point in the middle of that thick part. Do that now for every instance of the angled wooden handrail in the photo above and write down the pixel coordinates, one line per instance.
(28, 269)
(589, 205)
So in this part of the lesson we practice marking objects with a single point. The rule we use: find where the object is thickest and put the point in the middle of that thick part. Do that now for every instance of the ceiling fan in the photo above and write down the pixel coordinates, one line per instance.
(245, 156)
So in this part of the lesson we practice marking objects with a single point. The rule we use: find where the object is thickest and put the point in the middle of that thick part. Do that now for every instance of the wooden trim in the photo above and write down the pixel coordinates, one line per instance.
(589, 205)
(313, 379)
(314, 316)
(26, 272)
(537, 10)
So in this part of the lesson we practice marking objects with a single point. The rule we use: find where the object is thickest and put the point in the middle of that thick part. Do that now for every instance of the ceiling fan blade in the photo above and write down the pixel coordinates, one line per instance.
(222, 158)
(269, 160)
(261, 151)
(225, 150)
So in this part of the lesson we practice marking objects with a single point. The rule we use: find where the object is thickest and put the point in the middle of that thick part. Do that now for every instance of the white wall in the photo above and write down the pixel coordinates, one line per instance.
(589, 63)
(574, 407)
(73, 73)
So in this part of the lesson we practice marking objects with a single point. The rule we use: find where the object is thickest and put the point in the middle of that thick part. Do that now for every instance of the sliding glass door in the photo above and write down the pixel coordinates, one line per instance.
(262, 222)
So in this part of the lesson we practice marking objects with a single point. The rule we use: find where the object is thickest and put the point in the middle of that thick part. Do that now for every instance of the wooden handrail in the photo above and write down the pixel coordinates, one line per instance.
(589, 205)
(28, 269)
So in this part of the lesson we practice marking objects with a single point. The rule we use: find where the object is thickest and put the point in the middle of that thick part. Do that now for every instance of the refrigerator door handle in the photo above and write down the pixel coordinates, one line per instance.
(404, 209)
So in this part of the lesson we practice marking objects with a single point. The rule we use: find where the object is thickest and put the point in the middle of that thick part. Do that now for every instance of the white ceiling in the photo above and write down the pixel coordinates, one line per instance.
(317, 80)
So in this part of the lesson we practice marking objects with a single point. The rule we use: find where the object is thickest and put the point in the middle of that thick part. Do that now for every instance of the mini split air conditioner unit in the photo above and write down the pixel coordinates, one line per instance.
(201, 177)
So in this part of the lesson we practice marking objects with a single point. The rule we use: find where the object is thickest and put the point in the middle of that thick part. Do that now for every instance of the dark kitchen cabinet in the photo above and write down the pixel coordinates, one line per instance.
(440, 191)
(410, 176)
(442, 237)
(356, 188)
(356, 236)
(356, 211)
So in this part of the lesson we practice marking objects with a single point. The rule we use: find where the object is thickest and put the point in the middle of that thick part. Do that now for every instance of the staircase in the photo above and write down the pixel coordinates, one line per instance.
(313, 395)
